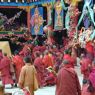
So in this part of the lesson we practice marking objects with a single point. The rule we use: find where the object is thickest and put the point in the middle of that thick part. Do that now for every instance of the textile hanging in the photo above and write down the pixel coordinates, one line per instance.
(67, 20)
(49, 14)
(37, 21)
(87, 7)
(86, 21)
(63, 5)
(58, 25)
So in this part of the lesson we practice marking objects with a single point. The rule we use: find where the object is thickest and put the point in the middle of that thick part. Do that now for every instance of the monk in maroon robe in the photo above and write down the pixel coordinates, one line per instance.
(70, 59)
(40, 69)
(18, 62)
(57, 60)
(86, 67)
(90, 50)
(86, 89)
(67, 81)
(26, 51)
(50, 78)
(5, 70)
(48, 60)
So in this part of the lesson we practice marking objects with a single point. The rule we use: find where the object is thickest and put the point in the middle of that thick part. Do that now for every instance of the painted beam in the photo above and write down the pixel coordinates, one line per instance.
(40, 2)
(25, 4)
(13, 4)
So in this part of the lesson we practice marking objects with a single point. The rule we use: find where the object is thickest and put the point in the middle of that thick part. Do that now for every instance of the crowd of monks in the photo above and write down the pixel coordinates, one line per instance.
(47, 60)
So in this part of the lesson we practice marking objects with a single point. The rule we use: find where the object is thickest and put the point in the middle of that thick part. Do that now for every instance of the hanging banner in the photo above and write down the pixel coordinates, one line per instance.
(87, 11)
(37, 21)
(49, 13)
(58, 25)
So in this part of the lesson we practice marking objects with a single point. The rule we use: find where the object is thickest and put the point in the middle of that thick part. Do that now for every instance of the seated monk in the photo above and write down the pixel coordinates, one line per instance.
(50, 78)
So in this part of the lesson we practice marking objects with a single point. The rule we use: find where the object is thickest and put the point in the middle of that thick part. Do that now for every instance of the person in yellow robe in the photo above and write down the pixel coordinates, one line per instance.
(28, 76)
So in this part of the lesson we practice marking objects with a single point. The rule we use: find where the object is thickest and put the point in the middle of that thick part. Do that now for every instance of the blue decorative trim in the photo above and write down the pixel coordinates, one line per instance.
(25, 4)
(41, 2)
(13, 4)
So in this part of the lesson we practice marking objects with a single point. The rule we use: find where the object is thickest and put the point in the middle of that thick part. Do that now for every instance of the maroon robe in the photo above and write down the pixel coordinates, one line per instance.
(25, 51)
(40, 70)
(48, 61)
(18, 62)
(50, 79)
(67, 82)
(70, 59)
(5, 71)
(90, 50)
(85, 90)
(86, 67)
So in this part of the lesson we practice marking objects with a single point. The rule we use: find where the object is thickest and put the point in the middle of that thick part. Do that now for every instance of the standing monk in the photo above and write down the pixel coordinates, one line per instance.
(90, 50)
(86, 65)
(5, 70)
(18, 62)
(40, 69)
(26, 51)
(28, 76)
(68, 57)
(67, 81)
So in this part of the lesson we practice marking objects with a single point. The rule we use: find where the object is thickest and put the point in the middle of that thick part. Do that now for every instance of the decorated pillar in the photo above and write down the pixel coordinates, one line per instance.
(49, 19)
(49, 27)
(72, 18)
(49, 13)
(28, 18)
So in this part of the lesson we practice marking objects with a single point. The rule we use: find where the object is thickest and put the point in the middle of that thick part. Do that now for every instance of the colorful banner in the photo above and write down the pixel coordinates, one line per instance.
(37, 21)
(49, 13)
(87, 10)
(58, 16)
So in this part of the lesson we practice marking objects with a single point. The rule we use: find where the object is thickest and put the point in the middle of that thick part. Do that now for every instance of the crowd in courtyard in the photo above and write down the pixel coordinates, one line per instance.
(36, 66)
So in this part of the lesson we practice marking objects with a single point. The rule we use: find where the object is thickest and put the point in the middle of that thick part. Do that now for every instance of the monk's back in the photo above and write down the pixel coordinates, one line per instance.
(29, 74)
(67, 83)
